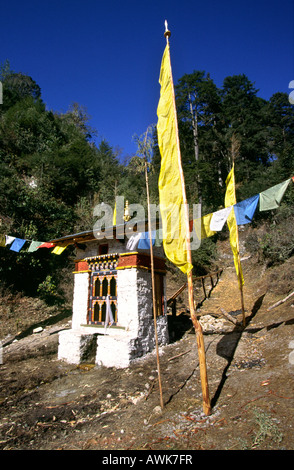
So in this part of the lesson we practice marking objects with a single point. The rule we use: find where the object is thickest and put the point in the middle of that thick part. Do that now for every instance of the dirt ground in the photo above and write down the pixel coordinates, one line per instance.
(46, 404)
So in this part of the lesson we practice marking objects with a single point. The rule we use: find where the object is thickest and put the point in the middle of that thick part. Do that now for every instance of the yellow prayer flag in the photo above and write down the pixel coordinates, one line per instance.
(170, 186)
(205, 226)
(202, 227)
(114, 216)
(58, 250)
(2, 240)
(230, 196)
(230, 199)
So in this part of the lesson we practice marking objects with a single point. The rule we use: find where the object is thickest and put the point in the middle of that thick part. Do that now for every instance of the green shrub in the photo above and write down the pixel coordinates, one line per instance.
(278, 244)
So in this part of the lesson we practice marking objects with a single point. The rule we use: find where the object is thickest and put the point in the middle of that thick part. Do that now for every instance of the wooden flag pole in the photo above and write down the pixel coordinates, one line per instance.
(153, 279)
(240, 281)
(196, 324)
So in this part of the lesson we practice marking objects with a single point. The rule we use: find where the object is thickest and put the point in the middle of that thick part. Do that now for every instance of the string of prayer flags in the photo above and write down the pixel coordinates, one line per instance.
(271, 198)
(234, 214)
(244, 210)
(17, 244)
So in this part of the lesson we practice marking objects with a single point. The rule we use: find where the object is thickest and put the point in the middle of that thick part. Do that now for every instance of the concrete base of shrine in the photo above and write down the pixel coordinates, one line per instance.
(113, 347)
(76, 347)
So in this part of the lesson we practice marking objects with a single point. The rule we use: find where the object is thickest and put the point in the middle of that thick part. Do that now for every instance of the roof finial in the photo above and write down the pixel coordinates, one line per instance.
(167, 33)
(127, 216)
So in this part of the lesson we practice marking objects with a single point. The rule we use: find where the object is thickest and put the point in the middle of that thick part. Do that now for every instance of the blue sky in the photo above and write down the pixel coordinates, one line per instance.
(106, 55)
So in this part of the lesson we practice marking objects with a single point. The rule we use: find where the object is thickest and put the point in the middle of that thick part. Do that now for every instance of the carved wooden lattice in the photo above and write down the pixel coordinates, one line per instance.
(103, 282)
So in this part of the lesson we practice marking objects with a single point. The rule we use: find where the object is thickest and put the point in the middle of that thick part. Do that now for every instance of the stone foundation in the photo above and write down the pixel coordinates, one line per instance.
(76, 347)
(120, 350)
(109, 350)
(113, 351)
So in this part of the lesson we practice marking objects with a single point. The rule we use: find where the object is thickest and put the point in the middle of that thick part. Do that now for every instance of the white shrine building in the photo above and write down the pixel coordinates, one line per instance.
(113, 272)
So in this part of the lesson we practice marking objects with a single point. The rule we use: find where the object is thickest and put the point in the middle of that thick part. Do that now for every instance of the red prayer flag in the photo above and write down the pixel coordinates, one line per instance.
(47, 245)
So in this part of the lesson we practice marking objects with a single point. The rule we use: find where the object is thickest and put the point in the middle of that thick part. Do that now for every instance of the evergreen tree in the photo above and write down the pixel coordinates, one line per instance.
(198, 106)
(52, 174)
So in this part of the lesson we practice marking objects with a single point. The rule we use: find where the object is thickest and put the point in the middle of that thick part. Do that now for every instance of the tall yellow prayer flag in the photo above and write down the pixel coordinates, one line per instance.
(230, 200)
(114, 216)
(170, 178)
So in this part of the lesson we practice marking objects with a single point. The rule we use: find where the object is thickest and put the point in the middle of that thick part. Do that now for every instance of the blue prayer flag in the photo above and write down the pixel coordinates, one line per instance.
(244, 210)
(144, 243)
(17, 244)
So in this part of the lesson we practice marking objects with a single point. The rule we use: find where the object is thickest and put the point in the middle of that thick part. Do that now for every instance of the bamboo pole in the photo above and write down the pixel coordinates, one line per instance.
(240, 280)
(196, 324)
(153, 281)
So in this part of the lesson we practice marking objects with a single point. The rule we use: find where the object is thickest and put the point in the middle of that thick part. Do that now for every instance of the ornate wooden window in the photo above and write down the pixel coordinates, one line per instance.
(102, 283)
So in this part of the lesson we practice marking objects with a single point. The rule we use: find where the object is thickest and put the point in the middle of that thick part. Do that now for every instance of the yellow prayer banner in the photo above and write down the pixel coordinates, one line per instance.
(114, 216)
(170, 186)
(202, 227)
(230, 199)
(230, 196)
(205, 226)
(58, 250)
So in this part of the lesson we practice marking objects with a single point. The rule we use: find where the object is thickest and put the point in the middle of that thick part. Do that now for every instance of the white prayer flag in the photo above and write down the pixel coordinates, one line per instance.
(133, 241)
(9, 239)
(219, 218)
(108, 316)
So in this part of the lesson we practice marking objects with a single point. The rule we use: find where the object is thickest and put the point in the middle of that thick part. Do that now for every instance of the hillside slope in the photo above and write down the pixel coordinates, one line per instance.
(47, 404)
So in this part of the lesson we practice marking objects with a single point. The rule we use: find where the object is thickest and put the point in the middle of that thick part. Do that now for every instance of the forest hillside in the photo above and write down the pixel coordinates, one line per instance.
(53, 173)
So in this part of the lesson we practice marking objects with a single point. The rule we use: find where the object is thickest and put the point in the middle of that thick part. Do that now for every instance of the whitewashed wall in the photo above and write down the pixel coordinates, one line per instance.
(80, 299)
(135, 314)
